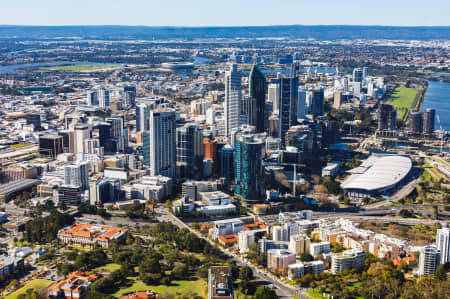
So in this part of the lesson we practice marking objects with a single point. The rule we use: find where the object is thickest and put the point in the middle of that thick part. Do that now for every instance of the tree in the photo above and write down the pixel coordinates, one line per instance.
(306, 257)
(180, 271)
(264, 292)
(366, 200)
(246, 274)
(441, 274)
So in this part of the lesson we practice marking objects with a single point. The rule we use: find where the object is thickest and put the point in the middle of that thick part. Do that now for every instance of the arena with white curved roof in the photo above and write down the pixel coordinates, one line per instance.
(377, 175)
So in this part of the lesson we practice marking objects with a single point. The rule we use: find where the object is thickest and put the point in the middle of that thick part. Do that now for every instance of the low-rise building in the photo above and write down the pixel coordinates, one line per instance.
(331, 169)
(75, 286)
(227, 227)
(91, 235)
(319, 248)
(220, 283)
(347, 260)
(278, 260)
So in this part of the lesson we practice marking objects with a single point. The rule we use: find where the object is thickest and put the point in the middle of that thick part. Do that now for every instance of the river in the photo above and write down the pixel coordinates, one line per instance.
(438, 97)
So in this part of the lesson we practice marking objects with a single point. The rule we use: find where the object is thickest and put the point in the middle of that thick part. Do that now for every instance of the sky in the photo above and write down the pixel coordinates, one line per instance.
(225, 12)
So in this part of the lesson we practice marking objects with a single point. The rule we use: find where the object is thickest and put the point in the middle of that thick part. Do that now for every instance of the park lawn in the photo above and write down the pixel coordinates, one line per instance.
(402, 99)
(79, 68)
(199, 287)
(36, 284)
(426, 176)
(315, 294)
(108, 267)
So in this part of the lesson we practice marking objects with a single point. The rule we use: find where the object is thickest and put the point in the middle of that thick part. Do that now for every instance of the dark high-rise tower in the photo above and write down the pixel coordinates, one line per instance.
(415, 122)
(428, 121)
(387, 117)
(288, 104)
(257, 91)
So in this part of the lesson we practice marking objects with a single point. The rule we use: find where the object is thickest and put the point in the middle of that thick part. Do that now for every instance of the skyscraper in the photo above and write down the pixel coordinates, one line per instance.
(50, 145)
(130, 95)
(428, 121)
(232, 99)
(317, 102)
(81, 133)
(116, 132)
(77, 175)
(415, 122)
(365, 72)
(429, 260)
(288, 104)
(302, 105)
(273, 95)
(250, 151)
(163, 154)
(257, 91)
(443, 244)
(387, 117)
(248, 111)
(190, 151)
(104, 98)
(226, 163)
(358, 75)
(142, 115)
(92, 98)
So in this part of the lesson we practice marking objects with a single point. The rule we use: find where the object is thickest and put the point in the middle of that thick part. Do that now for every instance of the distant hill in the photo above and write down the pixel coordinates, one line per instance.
(331, 32)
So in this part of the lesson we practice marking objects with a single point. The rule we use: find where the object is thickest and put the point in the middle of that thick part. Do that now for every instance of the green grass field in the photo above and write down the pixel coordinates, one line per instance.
(402, 99)
(197, 288)
(108, 267)
(426, 176)
(79, 68)
(315, 294)
(36, 284)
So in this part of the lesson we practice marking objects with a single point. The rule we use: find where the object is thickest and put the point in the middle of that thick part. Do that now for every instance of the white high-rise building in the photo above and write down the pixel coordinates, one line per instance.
(301, 109)
(104, 99)
(233, 95)
(443, 243)
(81, 133)
(142, 117)
(429, 260)
(211, 116)
(163, 152)
(273, 95)
(77, 175)
(246, 239)
(299, 244)
(280, 233)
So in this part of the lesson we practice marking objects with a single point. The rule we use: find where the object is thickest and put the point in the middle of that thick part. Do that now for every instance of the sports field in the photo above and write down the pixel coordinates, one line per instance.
(79, 68)
(402, 99)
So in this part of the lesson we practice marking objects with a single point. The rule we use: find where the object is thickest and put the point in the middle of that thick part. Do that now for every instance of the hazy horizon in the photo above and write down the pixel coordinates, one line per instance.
(233, 13)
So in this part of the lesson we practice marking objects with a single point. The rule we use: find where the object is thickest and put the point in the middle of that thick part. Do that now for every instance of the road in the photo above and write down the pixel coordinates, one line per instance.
(402, 193)
(282, 289)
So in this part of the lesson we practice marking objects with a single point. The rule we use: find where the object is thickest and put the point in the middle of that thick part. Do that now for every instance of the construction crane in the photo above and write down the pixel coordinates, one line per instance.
(442, 132)
(295, 165)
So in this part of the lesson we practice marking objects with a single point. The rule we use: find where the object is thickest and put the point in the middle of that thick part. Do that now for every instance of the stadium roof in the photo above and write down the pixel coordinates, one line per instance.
(378, 172)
